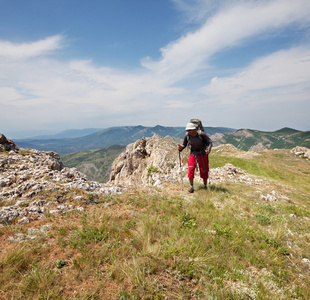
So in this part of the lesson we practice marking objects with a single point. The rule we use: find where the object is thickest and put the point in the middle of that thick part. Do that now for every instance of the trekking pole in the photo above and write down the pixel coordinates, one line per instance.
(181, 168)
(209, 178)
(209, 172)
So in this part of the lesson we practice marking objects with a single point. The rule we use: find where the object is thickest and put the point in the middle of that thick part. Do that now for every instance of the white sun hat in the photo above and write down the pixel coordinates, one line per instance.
(190, 126)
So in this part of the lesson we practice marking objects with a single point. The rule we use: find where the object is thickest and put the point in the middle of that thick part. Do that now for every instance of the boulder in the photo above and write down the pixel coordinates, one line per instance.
(7, 144)
(301, 152)
(148, 161)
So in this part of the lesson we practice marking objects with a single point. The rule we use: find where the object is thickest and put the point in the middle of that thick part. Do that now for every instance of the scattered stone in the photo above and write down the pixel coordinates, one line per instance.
(35, 210)
(23, 220)
(32, 234)
(80, 208)
(55, 211)
(51, 203)
(269, 198)
(231, 173)
(306, 261)
(288, 200)
(8, 214)
(301, 152)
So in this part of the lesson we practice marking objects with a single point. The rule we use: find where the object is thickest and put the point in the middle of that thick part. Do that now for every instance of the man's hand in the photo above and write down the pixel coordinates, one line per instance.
(207, 151)
(180, 148)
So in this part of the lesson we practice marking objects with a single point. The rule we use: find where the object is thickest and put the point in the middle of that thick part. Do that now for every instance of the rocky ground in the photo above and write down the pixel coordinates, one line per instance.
(28, 175)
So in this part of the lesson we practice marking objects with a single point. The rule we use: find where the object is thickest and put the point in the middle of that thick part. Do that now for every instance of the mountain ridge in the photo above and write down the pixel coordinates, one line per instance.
(244, 139)
(121, 135)
(67, 134)
(255, 140)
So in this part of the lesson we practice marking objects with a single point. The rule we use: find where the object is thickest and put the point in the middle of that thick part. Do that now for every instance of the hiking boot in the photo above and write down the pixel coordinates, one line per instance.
(205, 187)
(191, 190)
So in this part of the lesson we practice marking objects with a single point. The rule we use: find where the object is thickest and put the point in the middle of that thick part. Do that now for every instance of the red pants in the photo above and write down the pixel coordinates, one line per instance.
(192, 166)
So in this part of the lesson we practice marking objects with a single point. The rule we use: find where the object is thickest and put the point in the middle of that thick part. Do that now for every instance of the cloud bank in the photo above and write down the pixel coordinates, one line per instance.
(39, 89)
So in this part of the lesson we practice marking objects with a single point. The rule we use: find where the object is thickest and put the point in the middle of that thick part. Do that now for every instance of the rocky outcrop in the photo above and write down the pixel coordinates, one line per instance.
(154, 161)
(232, 173)
(148, 161)
(301, 152)
(28, 176)
(7, 145)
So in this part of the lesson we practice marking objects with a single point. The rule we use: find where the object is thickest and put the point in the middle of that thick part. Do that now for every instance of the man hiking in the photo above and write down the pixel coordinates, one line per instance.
(200, 146)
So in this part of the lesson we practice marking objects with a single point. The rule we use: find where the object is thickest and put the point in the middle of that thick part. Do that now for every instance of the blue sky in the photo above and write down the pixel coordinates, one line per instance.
(101, 63)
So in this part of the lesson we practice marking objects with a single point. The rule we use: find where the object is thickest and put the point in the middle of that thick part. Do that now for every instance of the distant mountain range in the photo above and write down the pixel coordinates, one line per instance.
(76, 140)
(92, 151)
(254, 140)
(68, 134)
(88, 139)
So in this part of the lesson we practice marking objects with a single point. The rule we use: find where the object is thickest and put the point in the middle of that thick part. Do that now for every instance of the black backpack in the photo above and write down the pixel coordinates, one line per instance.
(198, 125)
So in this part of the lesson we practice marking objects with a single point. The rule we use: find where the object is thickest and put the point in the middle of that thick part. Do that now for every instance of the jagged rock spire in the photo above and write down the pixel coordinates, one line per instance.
(148, 161)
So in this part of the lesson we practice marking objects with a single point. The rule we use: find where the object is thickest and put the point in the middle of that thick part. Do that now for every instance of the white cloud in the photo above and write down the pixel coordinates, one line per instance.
(178, 104)
(33, 49)
(196, 11)
(9, 94)
(43, 90)
(266, 79)
(226, 29)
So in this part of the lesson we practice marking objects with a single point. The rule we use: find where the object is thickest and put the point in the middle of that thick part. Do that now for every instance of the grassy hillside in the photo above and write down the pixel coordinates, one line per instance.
(227, 242)
(95, 164)
(246, 139)
(280, 165)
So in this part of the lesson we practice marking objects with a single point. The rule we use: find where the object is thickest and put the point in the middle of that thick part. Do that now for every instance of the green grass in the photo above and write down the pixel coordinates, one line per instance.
(220, 243)
(278, 165)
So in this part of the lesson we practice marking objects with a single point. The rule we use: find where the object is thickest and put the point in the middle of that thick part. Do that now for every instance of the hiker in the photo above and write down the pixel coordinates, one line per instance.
(200, 146)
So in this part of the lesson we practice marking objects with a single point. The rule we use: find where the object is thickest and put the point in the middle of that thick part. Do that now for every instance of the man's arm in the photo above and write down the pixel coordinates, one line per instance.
(185, 141)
